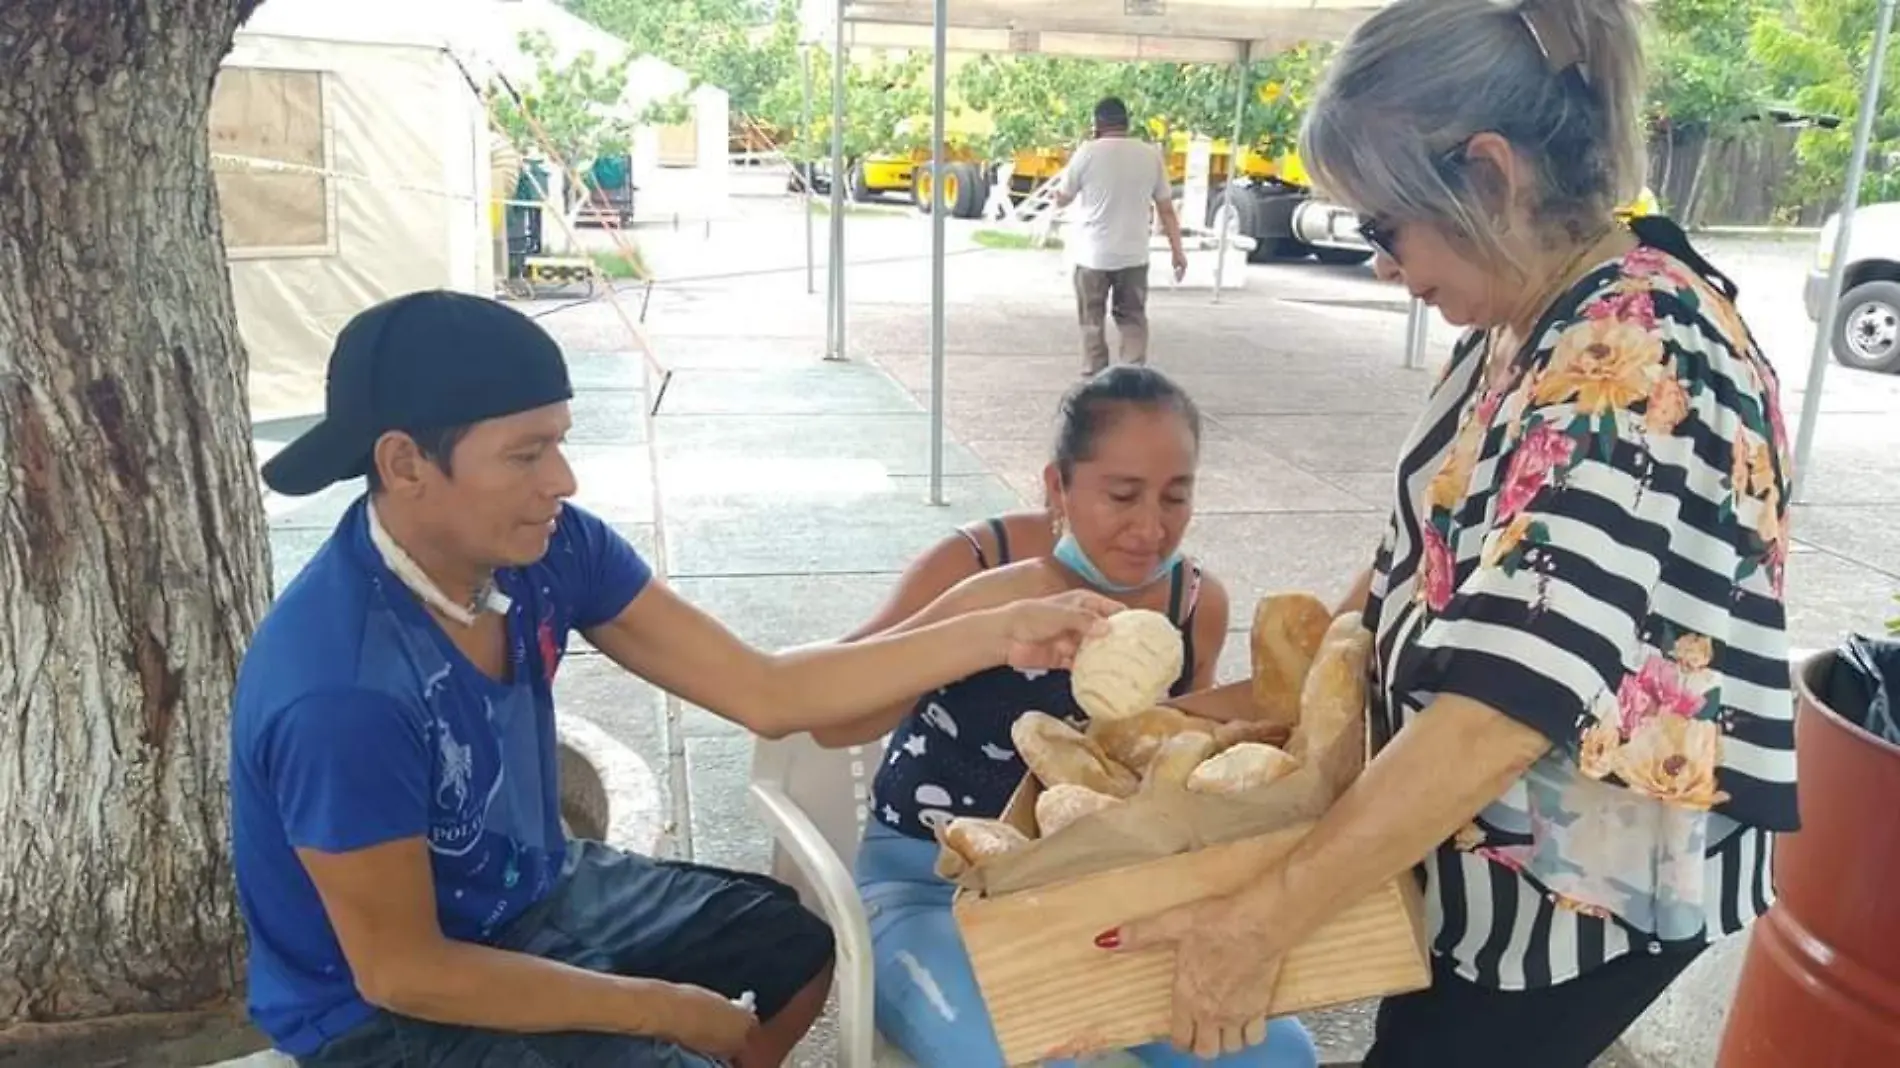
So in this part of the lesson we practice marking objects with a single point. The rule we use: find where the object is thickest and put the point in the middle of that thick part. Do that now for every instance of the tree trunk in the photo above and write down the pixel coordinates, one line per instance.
(133, 563)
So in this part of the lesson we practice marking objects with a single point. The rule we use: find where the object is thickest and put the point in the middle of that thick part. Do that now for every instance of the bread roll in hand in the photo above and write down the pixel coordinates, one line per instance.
(976, 840)
(1062, 805)
(1178, 757)
(1058, 754)
(1247, 766)
(1134, 741)
(1125, 669)
(1287, 631)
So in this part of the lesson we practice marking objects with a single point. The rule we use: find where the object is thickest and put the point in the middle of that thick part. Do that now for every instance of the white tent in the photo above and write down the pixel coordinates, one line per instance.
(353, 162)
(385, 191)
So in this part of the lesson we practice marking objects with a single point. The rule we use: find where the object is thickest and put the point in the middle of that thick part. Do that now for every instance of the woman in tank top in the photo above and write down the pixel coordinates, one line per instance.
(1120, 493)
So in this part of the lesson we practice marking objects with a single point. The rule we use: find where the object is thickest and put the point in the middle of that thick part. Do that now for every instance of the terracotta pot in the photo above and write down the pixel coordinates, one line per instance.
(1820, 987)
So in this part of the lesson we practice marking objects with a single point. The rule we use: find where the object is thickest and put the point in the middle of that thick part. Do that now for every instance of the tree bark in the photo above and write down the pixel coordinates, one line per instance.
(133, 563)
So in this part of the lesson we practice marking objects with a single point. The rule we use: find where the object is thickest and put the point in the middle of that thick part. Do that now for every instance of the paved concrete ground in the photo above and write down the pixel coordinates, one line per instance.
(783, 494)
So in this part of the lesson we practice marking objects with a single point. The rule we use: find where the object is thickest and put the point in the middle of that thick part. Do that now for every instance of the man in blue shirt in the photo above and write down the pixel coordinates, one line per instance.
(410, 895)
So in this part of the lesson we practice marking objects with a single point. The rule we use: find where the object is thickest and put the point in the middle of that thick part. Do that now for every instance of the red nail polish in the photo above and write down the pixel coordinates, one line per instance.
(1109, 939)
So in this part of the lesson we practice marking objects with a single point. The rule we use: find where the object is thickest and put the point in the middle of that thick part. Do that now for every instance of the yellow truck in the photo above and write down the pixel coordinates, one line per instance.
(1272, 199)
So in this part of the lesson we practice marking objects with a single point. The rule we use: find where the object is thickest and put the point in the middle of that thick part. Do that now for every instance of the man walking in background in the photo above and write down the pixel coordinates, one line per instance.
(1114, 179)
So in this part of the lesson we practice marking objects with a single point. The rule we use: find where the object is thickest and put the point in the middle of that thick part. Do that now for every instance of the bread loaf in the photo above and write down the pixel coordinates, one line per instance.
(1178, 757)
(1247, 766)
(1134, 741)
(1234, 732)
(1128, 667)
(1058, 754)
(1333, 698)
(976, 840)
(1062, 805)
(1287, 631)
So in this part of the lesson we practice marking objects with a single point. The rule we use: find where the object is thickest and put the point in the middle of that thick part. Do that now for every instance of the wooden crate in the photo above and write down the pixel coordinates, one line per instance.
(1051, 993)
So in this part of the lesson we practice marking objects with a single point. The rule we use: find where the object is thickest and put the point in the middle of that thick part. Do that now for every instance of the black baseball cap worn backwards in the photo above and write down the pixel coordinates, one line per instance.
(435, 358)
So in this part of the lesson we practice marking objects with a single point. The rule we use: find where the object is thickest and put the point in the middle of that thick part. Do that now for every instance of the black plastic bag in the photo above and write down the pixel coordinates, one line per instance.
(1864, 687)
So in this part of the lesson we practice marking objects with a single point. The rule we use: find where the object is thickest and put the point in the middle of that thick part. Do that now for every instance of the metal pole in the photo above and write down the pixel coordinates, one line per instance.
(837, 347)
(1227, 218)
(939, 45)
(1417, 329)
(805, 145)
(1831, 299)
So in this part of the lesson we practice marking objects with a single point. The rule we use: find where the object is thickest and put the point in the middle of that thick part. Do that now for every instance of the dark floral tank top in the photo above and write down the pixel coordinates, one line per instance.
(952, 755)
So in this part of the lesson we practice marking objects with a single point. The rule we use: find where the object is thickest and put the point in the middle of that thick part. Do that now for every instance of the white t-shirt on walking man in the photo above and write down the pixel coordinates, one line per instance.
(1115, 182)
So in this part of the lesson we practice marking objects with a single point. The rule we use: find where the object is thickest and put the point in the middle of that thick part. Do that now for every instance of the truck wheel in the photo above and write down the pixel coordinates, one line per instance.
(1867, 328)
(972, 190)
(860, 186)
(1342, 257)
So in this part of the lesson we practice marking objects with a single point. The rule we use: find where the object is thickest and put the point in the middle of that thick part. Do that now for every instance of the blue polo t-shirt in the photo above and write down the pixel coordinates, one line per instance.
(357, 722)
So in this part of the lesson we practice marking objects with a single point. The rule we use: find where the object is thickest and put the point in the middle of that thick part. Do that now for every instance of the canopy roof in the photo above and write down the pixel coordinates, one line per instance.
(1192, 31)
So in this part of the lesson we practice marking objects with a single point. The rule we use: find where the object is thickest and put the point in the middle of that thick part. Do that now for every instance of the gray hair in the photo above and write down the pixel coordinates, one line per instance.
(1561, 80)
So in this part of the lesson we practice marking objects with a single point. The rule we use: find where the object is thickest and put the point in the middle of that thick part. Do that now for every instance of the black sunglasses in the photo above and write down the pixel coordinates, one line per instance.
(1384, 236)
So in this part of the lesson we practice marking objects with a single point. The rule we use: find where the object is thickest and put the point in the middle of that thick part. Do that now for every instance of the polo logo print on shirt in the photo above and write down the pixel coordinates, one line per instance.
(459, 815)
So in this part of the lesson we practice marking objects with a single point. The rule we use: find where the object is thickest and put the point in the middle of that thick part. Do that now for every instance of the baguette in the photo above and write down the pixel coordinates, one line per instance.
(1288, 629)
(1333, 698)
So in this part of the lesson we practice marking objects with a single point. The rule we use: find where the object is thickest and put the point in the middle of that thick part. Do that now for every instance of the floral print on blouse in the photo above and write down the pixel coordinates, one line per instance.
(1600, 551)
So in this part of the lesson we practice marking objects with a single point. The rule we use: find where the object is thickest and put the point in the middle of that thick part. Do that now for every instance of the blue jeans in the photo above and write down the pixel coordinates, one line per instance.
(928, 1003)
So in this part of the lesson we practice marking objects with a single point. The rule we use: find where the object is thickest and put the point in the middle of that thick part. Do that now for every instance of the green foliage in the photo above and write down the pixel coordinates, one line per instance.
(574, 105)
(1814, 53)
(749, 48)
(1047, 101)
(1701, 69)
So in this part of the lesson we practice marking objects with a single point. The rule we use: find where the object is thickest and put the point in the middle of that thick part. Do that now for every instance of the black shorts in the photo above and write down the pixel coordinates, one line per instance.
(617, 912)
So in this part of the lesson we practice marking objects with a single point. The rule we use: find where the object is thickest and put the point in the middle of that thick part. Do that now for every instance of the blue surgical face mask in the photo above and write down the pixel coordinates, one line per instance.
(1069, 553)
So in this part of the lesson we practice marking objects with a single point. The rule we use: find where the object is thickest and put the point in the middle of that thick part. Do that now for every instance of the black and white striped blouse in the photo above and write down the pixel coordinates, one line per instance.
(1596, 548)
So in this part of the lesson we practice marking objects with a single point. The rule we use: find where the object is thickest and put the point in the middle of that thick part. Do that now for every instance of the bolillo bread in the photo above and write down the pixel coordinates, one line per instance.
(1134, 741)
(1246, 767)
(976, 840)
(1233, 732)
(1178, 757)
(1062, 805)
(1288, 629)
(1058, 754)
(1129, 666)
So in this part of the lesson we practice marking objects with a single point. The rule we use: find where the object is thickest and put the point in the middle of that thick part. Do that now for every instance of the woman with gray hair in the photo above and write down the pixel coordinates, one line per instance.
(1580, 692)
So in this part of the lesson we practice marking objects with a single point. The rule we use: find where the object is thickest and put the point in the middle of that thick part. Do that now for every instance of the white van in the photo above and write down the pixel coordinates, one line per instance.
(1866, 329)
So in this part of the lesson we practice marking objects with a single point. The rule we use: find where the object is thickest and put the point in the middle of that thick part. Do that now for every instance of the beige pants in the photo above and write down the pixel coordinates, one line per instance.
(1126, 291)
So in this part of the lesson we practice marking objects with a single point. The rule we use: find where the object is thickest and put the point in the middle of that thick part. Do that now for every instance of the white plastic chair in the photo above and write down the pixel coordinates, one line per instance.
(815, 801)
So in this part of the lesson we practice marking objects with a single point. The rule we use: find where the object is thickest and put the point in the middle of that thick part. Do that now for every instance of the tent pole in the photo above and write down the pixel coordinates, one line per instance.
(836, 348)
(1234, 150)
(1416, 332)
(939, 45)
(805, 146)
(1837, 267)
